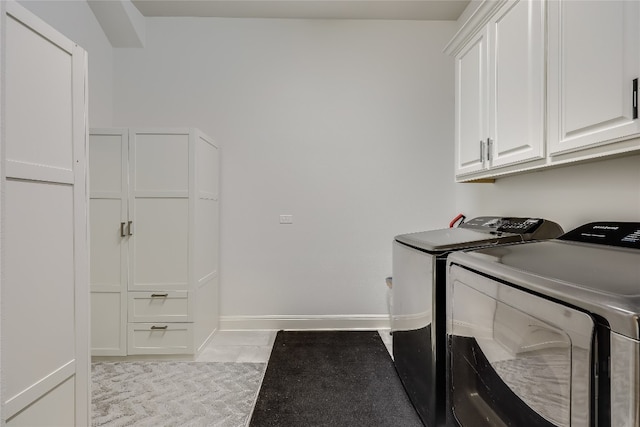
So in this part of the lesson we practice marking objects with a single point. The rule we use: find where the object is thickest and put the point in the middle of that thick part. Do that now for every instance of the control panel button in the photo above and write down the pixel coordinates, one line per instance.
(519, 225)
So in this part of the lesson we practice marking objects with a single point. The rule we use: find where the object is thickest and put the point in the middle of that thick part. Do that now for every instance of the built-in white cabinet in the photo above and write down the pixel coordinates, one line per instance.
(154, 224)
(44, 335)
(500, 88)
(509, 118)
(594, 58)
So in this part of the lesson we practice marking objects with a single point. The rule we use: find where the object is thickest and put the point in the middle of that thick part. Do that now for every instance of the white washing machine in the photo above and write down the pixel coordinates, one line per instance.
(547, 333)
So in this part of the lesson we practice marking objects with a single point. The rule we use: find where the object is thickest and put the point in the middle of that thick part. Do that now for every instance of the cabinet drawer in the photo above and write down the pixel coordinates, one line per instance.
(160, 338)
(161, 306)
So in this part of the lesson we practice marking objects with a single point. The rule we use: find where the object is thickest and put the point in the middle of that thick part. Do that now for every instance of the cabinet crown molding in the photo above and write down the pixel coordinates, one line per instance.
(475, 23)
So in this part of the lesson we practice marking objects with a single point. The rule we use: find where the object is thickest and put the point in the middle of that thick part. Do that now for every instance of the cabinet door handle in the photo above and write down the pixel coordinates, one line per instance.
(635, 99)
(130, 233)
(159, 295)
(122, 224)
(489, 144)
(161, 328)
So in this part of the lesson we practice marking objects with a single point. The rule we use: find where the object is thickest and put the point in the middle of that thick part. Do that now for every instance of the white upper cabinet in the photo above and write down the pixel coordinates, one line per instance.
(500, 90)
(545, 83)
(594, 57)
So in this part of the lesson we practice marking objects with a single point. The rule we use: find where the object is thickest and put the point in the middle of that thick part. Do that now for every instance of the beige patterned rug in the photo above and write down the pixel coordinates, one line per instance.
(162, 394)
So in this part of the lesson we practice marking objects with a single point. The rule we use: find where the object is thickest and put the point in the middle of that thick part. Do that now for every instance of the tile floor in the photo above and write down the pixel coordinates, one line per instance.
(250, 346)
(239, 347)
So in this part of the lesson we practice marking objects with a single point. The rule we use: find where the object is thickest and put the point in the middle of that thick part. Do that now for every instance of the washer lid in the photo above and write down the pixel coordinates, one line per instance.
(453, 239)
(600, 279)
(481, 231)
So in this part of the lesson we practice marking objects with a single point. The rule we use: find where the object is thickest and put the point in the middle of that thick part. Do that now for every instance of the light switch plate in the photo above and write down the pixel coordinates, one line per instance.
(286, 219)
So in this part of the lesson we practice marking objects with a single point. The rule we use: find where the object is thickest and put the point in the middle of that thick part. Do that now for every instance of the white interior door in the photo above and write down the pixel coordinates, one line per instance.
(108, 159)
(45, 300)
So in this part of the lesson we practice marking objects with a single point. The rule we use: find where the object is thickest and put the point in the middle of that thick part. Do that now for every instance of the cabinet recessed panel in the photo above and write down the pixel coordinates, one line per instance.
(471, 105)
(206, 238)
(206, 311)
(105, 163)
(56, 408)
(207, 161)
(518, 87)
(160, 239)
(512, 93)
(38, 99)
(38, 288)
(161, 162)
(106, 242)
(107, 331)
(594, 62)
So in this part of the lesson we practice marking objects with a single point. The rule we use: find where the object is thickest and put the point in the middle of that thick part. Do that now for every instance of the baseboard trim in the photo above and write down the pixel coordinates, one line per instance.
(326, 322)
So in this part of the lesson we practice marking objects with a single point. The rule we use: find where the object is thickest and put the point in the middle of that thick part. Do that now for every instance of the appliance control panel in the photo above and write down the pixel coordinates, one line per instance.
(504, 224)
(621, 234)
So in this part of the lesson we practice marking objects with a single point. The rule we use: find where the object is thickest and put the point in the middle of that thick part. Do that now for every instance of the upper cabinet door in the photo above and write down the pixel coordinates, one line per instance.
(594, 56)
(471, 105)
(516, 86)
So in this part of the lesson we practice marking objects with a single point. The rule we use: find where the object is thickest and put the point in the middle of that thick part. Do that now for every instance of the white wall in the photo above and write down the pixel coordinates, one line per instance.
(573, 195)
(77, 22)
(343, 124)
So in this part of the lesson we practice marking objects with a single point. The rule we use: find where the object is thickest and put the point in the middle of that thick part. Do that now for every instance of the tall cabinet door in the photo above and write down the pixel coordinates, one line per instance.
(160, 168)
(108, 160)
(594, 56)
(517, 86)
(471, 105)
(45, 292)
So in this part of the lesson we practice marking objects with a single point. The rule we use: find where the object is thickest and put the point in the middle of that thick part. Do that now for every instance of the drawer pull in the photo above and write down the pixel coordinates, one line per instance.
(159, 295)
(155, 328)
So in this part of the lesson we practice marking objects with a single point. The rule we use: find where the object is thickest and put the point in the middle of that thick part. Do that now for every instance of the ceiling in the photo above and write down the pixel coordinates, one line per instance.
(435, 10)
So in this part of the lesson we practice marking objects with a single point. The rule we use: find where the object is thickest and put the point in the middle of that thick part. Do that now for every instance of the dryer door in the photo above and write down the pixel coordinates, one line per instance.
(515, 359)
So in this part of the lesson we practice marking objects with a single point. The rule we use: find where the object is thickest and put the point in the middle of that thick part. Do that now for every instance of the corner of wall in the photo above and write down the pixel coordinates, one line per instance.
(121, 21)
